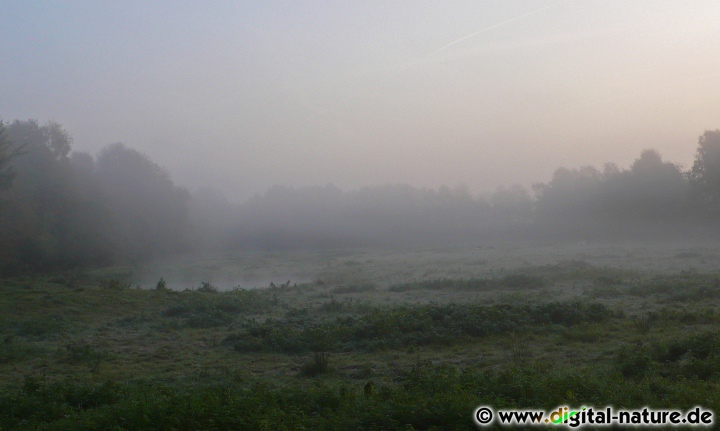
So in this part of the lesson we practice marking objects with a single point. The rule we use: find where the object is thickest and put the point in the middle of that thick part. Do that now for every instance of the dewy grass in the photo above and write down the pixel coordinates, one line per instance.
(74, 355)
(387, 327)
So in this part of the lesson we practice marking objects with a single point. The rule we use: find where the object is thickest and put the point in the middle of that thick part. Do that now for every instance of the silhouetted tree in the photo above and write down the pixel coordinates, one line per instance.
(66, 209)
(705, 173)
(513, 205)
(40, 203)
(657, 189)
(144, 213)
(7, 153)
(569, 205)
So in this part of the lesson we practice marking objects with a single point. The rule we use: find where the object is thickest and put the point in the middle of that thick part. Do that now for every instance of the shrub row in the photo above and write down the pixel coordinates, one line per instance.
(383, 327)
(426, 397)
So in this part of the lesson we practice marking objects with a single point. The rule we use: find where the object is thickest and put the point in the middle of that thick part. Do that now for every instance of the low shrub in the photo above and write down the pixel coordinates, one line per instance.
(318, 364)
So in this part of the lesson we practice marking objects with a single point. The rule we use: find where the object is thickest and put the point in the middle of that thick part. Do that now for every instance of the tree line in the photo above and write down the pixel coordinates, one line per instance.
(652, 199)
(61, 208)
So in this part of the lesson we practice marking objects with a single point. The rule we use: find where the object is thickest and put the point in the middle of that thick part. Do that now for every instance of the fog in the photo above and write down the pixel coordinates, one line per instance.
(63, 208)
(334, 215)
(243, 96)
(134, 131)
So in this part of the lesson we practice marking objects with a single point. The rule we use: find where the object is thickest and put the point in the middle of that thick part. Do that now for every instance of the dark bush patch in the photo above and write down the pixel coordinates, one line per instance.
(318, 364)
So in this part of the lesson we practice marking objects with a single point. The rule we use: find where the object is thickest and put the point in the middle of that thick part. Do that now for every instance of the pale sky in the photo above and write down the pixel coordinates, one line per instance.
(245, 95)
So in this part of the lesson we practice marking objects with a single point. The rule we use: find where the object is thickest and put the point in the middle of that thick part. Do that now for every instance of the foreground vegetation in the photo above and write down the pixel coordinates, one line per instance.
(89, 351)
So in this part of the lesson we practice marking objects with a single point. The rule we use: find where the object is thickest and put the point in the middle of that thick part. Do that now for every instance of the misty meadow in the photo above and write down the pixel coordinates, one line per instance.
(357, 215)
(128, 301)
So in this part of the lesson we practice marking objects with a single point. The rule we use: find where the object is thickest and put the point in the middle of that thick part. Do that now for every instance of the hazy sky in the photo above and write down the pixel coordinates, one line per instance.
(244, 95)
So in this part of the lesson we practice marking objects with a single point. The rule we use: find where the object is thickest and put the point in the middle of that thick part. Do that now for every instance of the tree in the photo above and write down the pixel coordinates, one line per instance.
(35, 212)
(144, 214)
(569, 200)
(705, 173)
(512, 205)
(653, 191)
(7, 153)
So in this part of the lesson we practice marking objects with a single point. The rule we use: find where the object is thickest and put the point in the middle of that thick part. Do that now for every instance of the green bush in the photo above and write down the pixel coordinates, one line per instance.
(633, 363)
(318, 364)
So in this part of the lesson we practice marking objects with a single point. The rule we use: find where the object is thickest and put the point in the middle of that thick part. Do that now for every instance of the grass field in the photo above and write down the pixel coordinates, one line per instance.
(360, 339)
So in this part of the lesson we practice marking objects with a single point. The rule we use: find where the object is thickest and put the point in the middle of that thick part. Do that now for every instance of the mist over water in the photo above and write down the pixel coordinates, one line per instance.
(373, 268)
(226, 271)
